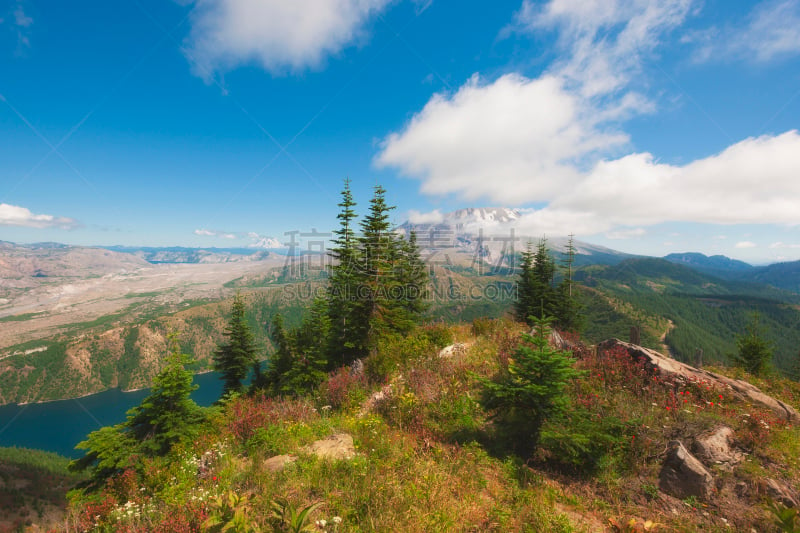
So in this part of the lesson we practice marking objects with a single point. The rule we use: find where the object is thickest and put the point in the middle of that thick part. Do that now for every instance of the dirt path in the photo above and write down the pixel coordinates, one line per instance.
(663, 338)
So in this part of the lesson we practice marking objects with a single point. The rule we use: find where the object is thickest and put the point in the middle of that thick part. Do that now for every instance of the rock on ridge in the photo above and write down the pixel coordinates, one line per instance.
(667, 367)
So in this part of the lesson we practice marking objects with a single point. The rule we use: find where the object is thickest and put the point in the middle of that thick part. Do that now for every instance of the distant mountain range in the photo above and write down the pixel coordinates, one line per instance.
(782, 275)
(480, 234)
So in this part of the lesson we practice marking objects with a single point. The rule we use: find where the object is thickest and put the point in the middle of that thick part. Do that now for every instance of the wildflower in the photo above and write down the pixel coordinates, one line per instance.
(337, 520)
(321, 523)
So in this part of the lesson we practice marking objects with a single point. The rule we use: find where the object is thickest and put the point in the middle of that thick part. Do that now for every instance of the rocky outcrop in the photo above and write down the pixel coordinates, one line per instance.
(779, 492)
(667, 367)
(453, 350)
(336, 447)
(278, 463)
(716, 448)
(682, 475)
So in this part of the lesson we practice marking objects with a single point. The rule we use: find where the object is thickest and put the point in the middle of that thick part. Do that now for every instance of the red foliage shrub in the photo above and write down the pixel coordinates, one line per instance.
(341, 386)
(246, 414)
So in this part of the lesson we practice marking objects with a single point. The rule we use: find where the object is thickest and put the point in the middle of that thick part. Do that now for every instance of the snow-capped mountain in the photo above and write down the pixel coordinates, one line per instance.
(268, 243)
(493, 234)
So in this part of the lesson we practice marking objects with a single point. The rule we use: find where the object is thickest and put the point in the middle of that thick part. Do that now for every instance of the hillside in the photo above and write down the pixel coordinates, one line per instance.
(33, 487)
(707, 312)
(125, 349)
(715, 265)
(413, 449)
(781, 275)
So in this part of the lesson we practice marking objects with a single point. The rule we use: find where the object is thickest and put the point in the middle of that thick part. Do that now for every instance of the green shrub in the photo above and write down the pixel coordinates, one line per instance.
(529, 391)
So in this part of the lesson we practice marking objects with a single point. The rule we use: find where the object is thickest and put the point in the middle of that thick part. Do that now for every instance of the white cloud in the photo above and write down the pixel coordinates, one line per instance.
(745, 244)
(555, 140)
(21, 24)
(433, 217)
(205, 233)
(753, 181)
(770, 31)
(626, 233)
(12, 215)
(604, 42)
(278, 35)
(514, 140)
(779, 245)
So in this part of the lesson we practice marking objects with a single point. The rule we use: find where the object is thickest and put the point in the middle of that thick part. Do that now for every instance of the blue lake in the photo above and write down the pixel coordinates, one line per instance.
(58, 426)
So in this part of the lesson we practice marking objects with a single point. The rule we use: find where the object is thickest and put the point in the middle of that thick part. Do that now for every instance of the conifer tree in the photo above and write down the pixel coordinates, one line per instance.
(536, 295)
(755, 352)
(235, 358)
(309, 363)
(526, 290)
(530, 391)
(164, 417)
(345, 309)
(412, 273)
(167, 414)
(379, 247)
(282, 358)
(568, 308)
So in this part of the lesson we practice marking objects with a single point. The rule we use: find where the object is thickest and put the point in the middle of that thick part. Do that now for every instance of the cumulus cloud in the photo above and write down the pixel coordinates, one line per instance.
(779, 245)
(771, 31)
(745, 244)
(277, 35)
(514, 140)
(626, 233)
(12, 215)
(432, 217)
(603, 43)
(556, 141)
(753, 181)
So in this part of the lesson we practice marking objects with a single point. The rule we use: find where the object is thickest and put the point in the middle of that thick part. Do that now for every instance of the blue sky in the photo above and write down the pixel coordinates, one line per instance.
(647, 126)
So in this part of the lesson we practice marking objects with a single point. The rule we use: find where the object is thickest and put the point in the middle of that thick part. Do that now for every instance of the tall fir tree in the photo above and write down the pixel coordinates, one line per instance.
(526, 290)
(536, 294)
(309, 364)
(568, 307)
(412, 274)
(379, 248)
(282, 358)
(235, 358)
(347, 339)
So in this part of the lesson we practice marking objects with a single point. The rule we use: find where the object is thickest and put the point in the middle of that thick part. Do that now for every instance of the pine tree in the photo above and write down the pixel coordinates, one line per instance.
(167, 414)
(412, 275)
(379, 248)
(568, 309)
(164, 417)
(282, 358)
(235, 358)
(522, 398)
(536, 295)
(346, 311)
(755, 352)
(309, 364)
(526, 290)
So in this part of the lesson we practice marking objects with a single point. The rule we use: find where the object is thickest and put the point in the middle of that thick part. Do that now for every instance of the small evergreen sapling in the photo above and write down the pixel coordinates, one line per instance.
(531, 390)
